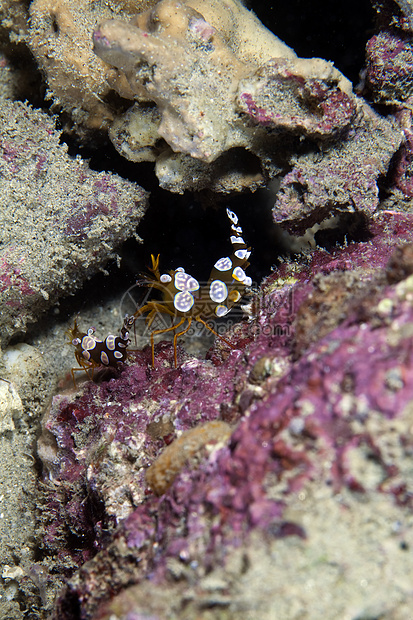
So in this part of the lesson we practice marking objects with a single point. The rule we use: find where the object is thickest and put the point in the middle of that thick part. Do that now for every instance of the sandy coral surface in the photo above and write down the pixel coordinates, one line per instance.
(59, 220)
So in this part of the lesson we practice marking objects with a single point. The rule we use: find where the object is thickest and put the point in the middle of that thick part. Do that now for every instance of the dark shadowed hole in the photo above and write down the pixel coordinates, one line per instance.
(336, 31)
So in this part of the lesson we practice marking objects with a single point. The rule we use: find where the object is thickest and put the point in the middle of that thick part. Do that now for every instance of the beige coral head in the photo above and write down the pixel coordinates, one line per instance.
(168, 17)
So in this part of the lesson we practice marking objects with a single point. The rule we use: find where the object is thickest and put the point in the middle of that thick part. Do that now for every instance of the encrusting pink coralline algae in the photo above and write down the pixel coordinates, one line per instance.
(310, 416)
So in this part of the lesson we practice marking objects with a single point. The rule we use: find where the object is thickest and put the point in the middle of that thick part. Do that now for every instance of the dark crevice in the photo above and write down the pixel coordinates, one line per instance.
(106, 158)
(352, 228)
(336, 31)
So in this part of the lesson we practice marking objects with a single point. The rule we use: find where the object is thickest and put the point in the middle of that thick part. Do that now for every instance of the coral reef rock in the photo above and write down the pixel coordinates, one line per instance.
(13, 19)
(189, 63)
(344, 179)
(387, 81)
(320, 424)
(60, 38)
(60, 221)
(193, 76)
(217, 101)
(17, 506)
(224, 115)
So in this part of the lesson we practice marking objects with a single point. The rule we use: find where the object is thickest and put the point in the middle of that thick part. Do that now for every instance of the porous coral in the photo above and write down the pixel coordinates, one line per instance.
(194, 96)
(220, 108)
(200, 58)
(59, 36)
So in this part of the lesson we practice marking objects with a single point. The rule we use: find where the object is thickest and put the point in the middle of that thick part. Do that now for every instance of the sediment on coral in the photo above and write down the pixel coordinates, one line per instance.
(61, 221)
(13, 21)
(59, 37)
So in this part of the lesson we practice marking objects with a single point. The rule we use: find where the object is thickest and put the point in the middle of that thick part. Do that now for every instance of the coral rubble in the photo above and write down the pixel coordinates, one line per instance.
(60, 221)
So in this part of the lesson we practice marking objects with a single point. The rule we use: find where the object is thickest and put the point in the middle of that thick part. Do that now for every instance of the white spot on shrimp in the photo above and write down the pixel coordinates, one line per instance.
(221, 310)
(165, 278)
(234, 240)
(223, 264)
(183, 301)
(242, 254)
(237, 229)
(118, 354)
(104, 358)
(185, 282)
(218, 291)
(88, 342)
(110, 342)
(239, 274)
(232, 216)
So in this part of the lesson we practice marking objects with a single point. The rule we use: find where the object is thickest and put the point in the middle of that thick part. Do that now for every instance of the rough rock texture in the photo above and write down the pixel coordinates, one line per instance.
(345, 179)
(323, 423)
(269, 480)
(200, 58)
(387, 81)
(60, 221)
(18, 593)
(161, 474)
(60, 39)
(397, 13)
(13, 19)
(220, 102)
(278, 104)
(389, 56)
(195, 79)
